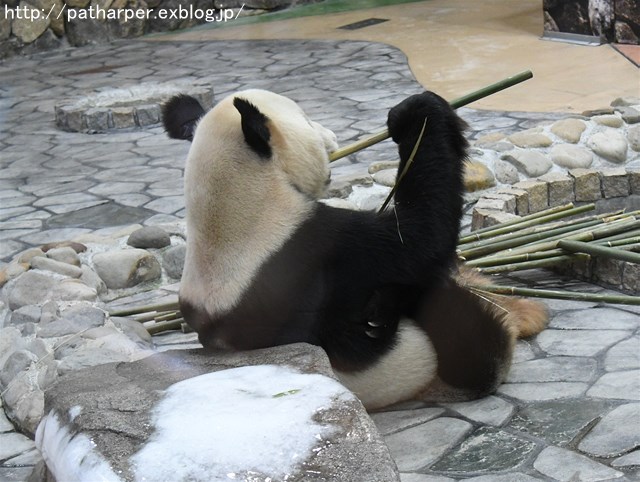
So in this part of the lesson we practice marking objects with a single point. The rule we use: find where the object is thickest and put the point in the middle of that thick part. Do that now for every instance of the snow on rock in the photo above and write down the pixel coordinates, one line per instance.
(249, 419)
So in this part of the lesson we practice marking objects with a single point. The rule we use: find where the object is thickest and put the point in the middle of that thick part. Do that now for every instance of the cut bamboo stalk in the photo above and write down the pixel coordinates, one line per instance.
(168, 306)
(518, 258)
(165, 326)
(539, 263)
(603, 251)
(552, 214)
(556, 294)
(456, 103)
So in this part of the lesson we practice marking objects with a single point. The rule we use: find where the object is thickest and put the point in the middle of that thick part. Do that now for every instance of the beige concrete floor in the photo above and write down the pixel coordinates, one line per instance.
(457, 46)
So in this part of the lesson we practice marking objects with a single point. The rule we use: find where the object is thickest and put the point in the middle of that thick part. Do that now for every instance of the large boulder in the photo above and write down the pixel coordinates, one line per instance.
(189, 413)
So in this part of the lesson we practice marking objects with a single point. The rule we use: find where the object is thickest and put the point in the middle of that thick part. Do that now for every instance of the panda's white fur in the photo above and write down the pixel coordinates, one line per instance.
(252, 184)
(230, 198)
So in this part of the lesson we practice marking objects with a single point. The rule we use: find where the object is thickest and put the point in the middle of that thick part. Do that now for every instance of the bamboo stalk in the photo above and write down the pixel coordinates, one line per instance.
(552, 214)
(539, 263)
(168, 306)
(518, 258)
(604, 251)
(456, 103)
(627, 235)
(165, 326)
(556, 294)
(614, 227)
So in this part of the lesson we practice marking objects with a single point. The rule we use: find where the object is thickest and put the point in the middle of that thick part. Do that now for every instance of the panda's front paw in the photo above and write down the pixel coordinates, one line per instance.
(406, 119)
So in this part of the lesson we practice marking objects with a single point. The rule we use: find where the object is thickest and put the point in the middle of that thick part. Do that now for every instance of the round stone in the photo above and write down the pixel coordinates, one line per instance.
(570, 156)
(126, 268)
(477, 176)
(633, 136)
(505, 172)
(569, 130)
(149, 237)
(530, 138)
(610, 145)
(610, 120)
(386, 177)
(173, 261)
(531, 163)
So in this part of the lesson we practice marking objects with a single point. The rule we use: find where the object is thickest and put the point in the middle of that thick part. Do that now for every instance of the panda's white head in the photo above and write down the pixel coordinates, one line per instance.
(255, 126)
(255, 169)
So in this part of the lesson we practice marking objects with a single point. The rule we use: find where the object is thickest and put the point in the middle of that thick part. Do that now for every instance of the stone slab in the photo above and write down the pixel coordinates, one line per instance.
(117, 401)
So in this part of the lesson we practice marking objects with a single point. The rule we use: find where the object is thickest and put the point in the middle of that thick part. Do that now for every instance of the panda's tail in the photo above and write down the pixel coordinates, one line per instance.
(522, 317)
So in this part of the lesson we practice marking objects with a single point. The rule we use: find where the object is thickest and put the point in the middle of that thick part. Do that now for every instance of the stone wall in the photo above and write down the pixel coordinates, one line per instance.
(611, 20)
(29, 26)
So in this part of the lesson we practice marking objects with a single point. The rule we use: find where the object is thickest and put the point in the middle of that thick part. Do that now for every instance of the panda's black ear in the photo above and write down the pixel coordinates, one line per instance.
(180, 115)
(254, 127)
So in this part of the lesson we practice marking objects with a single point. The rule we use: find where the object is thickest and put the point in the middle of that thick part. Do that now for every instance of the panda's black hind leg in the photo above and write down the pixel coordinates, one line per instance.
(473, 346)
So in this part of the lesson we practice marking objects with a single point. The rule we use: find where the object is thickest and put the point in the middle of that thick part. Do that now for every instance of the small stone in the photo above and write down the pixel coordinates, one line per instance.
(570, 156)
(28, 255)
(477, 176)
(173, 261)
(564, 465)
(386, 177)
(64, 254)
(610, 120)
(631, 277)
(561, 188)
(29, 459)
(30, 25)
(19, 361)
(629, 114)
(625, 101)
(600, 111)
(134, 331)
(505, 173)
(122, 117)
(615, 182)
(30, 288)
(84, 315)
(538, 194)
(57, 329)
(126, 268)
(50, 312)
(54, 266)
(569, 130)
(633, 136)
(615, 434)
(12, 271)
(530, 138)
(147, 115)
(77, 247)
(149, 237)
(92, 280)
(383, 166)
(624, 385)
(72, 290)
(26, 314)
(24, 402)
(10, 341)
(610, 145)
(530, 163)
(587, 184)
(489, 139)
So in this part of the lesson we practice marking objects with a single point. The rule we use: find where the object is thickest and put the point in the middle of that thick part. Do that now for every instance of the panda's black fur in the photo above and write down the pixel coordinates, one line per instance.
(346, 280)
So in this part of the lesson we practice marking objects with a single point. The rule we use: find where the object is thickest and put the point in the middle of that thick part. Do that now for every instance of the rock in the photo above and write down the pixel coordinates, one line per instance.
(537, 194)
(121, 420)
(622, 385)
(30, 288)
(629, 114)
(383, 166)
(521, 197)
(489, 410)
(72, 290)
(614, 182)
(506, 173)
(499, 201)
(149, 237)
(625, 101)
(58, 267)
(395, 421)
(19, 361)
(134, 331)
(29, 26)
(385, 177)
(600, 111)
(12, 271)
(569, 130)
(610, 120)
(50, 312)
(77, 247)
(587, 184)
(610, 145)
(84, 315)
(28, 255)
(581, 343)
(530, 163)
(26, 314)
(126, 268)
(477, 176)
(12, 444)
(10, 341)
(483, 218)
(561, 188)
(633, 136)
(615, 434)
(489, 139)
(92, 280)
(561, 464)
(24, 401)
(64, 254)
(530, 138)
(173, 261)
(570, 156)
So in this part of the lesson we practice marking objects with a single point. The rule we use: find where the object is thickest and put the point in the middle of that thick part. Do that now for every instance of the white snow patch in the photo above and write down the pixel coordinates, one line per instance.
(71, 457)
(215, 427)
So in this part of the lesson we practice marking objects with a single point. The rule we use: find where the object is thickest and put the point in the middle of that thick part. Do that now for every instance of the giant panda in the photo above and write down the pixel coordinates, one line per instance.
(268, 264)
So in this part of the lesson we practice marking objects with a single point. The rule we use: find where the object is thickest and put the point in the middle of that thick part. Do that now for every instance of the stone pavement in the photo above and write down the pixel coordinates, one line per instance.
(570, 409)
